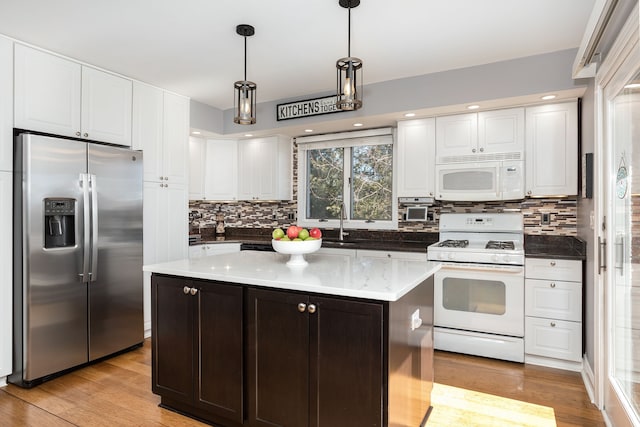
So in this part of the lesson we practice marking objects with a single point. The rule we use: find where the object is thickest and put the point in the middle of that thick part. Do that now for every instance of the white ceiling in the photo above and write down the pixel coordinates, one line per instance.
(191, 47)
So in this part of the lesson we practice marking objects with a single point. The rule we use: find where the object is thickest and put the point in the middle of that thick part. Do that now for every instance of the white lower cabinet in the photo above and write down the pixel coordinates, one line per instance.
(165, 231)
(206, 249)
(553, 313)
(6, 306)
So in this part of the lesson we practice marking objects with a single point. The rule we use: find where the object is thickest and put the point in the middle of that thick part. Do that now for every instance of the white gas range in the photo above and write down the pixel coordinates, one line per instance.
(479, 292)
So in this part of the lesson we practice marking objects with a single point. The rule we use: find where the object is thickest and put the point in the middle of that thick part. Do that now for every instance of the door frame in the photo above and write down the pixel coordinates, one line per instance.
(621, 63)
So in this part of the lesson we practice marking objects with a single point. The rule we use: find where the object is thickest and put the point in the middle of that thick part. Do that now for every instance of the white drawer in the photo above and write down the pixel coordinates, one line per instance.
(553, 338)
(420, 256)
(552, 299)
(553, 269)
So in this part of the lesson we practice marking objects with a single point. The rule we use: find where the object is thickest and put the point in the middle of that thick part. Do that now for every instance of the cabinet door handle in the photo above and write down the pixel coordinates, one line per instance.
(302, 307)
(312, 308)
(86, 134)
(473, 150)
(78, 133)
(553, 285)
(552, 263)
(553, 324)
(193, 291)
(186, 289)
(481, 150)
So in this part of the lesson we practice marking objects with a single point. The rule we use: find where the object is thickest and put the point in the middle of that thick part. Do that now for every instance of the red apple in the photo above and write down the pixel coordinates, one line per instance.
(293, 231)
(315, 233)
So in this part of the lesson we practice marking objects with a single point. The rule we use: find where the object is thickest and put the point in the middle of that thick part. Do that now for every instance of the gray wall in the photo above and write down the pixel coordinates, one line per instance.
(518, 77)
(585, 232)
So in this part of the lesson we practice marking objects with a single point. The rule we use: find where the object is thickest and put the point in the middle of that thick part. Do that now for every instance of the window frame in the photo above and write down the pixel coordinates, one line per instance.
(345, 140)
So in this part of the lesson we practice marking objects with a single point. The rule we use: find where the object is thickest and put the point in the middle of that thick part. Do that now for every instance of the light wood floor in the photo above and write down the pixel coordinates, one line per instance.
(469, 391)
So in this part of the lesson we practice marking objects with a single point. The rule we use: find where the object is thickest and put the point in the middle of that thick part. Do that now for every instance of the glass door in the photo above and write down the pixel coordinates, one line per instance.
(622, 291)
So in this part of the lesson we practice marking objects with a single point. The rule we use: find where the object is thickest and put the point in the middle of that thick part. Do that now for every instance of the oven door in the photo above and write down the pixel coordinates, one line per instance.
(480, 298)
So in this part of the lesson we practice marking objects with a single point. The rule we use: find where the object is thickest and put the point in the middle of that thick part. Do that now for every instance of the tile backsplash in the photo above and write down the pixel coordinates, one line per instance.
(562, 214)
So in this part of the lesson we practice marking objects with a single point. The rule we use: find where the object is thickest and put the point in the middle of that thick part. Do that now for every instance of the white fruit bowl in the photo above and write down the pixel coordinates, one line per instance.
(296, 249)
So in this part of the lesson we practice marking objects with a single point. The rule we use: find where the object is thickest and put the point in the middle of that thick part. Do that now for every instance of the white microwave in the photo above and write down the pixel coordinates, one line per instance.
(480, 181)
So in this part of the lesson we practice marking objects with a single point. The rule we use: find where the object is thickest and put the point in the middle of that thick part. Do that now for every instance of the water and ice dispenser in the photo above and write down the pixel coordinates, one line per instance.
(59, 222)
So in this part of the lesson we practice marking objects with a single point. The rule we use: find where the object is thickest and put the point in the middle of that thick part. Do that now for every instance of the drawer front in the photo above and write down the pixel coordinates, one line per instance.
(553, 269)
(420, 256)
(553, 338)
(552, 299)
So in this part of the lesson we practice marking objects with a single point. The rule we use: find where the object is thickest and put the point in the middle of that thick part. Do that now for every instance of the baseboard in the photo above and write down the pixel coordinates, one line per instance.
(550, 362)
(588, 378)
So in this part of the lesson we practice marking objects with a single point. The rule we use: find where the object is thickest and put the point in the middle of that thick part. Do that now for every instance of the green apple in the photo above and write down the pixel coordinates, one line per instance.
(304, 234)
(277, 234)
(285, 239)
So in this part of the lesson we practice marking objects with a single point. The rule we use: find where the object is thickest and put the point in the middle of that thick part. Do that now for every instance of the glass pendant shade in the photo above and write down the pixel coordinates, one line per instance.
(349, 77)
(245, 102)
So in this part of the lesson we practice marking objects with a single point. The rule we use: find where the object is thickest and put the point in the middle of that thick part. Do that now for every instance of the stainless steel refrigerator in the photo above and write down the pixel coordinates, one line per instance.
(77, 254)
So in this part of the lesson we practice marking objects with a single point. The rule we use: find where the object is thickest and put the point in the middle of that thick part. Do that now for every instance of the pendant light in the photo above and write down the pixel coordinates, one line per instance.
(245, 91)
(349, 72)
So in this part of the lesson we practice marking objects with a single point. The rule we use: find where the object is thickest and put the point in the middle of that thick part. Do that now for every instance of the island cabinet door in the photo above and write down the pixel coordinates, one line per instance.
(346, 353)
(278, 358)
(219, 362)
(172, 338)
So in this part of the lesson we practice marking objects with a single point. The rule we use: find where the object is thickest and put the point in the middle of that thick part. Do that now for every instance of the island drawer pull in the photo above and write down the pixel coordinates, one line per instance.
(312, 308)
(194, 291)
(186, 289)
(302, 307)
(553, 285)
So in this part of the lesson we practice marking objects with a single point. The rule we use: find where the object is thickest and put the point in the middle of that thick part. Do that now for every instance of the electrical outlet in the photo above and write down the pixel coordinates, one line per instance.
(291, 216)
(545, 218)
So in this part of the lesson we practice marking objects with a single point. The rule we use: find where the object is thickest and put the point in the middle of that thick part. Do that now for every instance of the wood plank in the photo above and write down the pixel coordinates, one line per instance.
(468, 391)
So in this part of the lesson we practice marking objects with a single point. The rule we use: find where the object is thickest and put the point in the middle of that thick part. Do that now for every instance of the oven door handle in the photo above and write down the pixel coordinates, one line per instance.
(515, 269)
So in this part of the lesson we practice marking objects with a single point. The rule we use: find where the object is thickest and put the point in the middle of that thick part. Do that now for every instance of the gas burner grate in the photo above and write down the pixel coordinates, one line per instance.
(496, 244)
(454, 244)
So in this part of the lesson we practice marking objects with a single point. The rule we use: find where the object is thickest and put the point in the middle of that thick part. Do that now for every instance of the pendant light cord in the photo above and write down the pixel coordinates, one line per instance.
(349, 36)
(245, 58)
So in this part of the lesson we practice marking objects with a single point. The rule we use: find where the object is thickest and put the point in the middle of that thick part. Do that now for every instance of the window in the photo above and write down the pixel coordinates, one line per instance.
(350, 173)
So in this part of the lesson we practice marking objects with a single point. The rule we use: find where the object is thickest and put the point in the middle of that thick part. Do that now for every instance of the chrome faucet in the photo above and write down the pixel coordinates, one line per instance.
(342, 233)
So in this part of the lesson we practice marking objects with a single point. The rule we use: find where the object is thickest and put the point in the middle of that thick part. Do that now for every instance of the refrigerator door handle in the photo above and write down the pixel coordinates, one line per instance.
(93, 190)
(86, 231)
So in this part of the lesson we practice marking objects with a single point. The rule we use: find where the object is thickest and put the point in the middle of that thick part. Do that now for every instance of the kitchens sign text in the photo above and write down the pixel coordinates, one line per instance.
(309, 107)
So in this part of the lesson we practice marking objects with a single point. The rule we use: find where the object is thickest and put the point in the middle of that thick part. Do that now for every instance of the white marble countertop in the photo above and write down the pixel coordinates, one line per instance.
(362, 277)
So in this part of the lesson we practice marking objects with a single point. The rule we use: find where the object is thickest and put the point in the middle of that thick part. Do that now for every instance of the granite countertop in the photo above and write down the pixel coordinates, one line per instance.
(357, 239)
(343, 275)
(556, 247)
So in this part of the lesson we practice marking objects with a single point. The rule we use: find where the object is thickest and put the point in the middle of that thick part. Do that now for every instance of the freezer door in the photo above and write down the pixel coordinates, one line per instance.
(50, 292)
(115, 288)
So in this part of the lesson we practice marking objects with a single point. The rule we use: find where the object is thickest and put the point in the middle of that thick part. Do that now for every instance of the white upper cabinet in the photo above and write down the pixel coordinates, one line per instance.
(6, 105)
(106, 107)
(456, 136)
(147, 127)
(161, 131)
(197, 153)
(175, 138)
(264, 169)
(62, 97)
(221, 170)
(501, 131)
(480, 136)
(416, 158)
(552, 150)
(213, 169)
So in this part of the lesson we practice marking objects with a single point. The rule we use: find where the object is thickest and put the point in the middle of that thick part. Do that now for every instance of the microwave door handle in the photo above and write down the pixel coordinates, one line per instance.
(499, 183)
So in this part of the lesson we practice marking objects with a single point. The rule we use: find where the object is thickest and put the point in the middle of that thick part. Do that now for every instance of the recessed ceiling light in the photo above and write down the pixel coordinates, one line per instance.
(632, 86)
(473, 107)
(357, 124)
(548, 97)
(195, 132)
(308, 130)
(410, 115)
(248, 134)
